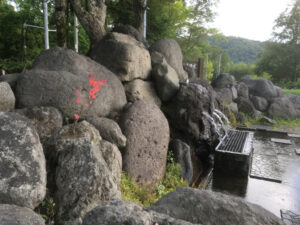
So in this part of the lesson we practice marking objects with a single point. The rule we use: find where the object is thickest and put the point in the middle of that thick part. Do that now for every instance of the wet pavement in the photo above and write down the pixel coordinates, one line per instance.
(278, 168)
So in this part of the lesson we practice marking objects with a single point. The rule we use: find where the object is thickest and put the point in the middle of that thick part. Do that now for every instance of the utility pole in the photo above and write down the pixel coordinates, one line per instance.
(145, 18)
(219, 67)
(46, 24)
(75, 33)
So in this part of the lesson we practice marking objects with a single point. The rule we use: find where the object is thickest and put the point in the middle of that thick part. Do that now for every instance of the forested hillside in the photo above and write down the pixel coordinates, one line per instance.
(240, 49)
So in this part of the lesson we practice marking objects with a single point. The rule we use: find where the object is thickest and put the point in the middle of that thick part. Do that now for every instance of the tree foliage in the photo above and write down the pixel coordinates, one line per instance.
(281, 58)
(239, 49)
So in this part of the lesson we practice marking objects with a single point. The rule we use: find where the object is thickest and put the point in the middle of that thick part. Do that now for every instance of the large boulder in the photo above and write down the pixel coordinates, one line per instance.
(57, 74)
(123, 55)
(109, 130)
(7, 97)
(212, 208)
(224, 80)
(242, 90)
(173, 55)
(22, 162)
(186, 111)
(129, 30)
(246, 106)
(283, 108)
(123, 212)
(59, 89)
(295, 99)
(166, 78)
(225, 95)
(83, 178)
(15, 215)
(260, 103)
(182, 155)
(260, 87)
(45, 119)
(147, 132)
(141, 90)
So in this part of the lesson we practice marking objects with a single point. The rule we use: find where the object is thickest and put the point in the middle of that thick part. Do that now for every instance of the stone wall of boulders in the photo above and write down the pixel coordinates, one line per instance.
(255, 97)
(126, 124)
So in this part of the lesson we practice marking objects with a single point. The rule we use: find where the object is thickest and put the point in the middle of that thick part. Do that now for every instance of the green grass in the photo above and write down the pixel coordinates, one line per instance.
(291, 91)
(285, 125)
(288, 125)
(146, 196)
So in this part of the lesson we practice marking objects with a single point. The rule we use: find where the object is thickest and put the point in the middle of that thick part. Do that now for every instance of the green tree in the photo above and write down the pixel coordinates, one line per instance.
(281, 58)
(287, 25)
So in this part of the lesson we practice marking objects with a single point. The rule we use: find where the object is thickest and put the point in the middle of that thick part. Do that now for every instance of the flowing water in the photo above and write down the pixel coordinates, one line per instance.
(215, 127)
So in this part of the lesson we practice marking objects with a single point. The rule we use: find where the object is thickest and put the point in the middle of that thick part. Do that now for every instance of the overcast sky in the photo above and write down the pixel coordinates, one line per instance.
(251, 19)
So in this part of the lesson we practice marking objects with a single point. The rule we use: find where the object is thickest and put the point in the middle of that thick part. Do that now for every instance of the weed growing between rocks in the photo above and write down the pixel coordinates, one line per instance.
(146, 196)
(47, 210)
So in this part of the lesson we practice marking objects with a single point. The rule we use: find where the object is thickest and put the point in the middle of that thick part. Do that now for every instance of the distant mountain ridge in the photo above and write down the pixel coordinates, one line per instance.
(240, 49)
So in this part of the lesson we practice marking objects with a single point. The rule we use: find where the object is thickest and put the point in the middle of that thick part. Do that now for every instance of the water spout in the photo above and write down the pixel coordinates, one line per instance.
(222, 116)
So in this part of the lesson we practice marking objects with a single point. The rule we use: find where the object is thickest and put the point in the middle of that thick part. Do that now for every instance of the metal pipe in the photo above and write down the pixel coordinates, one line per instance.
(75, 33)
(46, 31)
(145, 19)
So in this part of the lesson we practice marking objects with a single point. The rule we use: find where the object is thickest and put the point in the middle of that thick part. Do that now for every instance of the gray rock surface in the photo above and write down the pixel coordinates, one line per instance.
(147, 132)
(173, 55)
(233, 107)
(182, 156)
(123, 55)
(279, 91)
(45, 119)
(260, 103)
(267, 120)
(224, 80)
(83, 178)
(225, 95)
(129, 30)
(246, 106)
(260, 87)
(11, 79)
(58, 89)
(234, 93)
(166, 78)
(283, 108)
(242, 90)
(295, 99)
(113, 159)
(22, 162)
(141, 90)
(123, 212)
(212, 208)
(57, 74)
(109, 130)
(15, 215)
(7, 98)
(191, 71)
(185, 112)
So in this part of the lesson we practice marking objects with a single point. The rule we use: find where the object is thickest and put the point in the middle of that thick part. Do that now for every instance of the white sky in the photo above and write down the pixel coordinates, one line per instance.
(251, 19)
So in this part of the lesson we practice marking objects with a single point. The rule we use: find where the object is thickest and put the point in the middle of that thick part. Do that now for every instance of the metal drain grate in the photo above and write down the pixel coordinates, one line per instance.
(234, 141)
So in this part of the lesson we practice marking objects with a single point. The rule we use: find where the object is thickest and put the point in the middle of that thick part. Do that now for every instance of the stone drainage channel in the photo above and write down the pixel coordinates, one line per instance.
(274, 172)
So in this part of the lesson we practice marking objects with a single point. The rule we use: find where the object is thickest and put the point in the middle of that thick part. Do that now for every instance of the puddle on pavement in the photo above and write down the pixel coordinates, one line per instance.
(271, 195)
